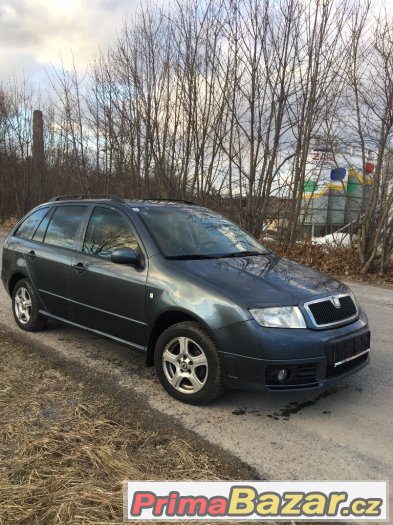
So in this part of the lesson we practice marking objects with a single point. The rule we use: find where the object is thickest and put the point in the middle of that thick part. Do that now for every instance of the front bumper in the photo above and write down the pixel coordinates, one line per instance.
(250, 355)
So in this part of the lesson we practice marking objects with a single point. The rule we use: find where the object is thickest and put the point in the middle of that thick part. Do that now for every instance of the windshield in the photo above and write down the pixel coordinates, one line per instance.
(197, 233)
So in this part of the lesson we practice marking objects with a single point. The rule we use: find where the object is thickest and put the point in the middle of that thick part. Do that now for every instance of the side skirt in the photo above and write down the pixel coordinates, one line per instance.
(93, 331)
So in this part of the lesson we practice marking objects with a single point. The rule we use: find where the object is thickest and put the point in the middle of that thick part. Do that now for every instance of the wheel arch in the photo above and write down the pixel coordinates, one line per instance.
(16, 277)
(164, 321)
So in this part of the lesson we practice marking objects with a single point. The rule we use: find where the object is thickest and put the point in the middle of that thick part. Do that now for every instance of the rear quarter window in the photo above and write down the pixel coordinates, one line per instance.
(29, 225)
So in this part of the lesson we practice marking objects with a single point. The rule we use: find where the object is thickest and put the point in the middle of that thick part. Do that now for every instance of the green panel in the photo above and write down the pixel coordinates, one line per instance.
(352, 186)
(309, 186)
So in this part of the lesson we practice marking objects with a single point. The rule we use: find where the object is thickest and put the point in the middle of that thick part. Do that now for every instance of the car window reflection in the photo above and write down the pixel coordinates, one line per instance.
(106, 231)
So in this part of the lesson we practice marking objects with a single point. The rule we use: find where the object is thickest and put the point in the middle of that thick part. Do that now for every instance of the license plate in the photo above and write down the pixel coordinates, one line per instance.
(349, 349)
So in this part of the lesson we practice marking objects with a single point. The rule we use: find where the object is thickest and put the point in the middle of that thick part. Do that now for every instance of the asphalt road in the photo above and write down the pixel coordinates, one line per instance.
(344, 432)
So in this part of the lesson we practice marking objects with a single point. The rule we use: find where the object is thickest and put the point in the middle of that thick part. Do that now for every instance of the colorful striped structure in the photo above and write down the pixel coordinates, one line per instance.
(336, 188)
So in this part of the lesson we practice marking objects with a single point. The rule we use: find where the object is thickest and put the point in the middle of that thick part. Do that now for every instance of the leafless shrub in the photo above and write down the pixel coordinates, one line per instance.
(219, 102)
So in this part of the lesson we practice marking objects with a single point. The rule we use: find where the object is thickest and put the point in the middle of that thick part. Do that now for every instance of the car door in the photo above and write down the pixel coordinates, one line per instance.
(49, 255)
(106, 296)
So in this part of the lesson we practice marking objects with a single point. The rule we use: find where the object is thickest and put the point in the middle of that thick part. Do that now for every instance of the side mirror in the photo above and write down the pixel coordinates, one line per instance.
(126, 256)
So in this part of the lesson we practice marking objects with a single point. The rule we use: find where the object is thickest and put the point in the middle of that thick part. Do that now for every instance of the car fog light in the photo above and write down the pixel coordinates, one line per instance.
(282, 374)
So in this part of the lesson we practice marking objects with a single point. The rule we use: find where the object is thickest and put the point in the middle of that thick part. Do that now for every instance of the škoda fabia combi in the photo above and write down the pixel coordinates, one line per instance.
(208, 304)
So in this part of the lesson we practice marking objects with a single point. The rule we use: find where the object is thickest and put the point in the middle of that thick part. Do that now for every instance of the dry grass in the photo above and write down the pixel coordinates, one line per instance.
(340, 261)
(65, 450)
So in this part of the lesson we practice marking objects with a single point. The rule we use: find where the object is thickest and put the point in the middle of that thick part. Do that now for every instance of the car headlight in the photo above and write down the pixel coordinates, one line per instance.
(279, 317)
(354, 298)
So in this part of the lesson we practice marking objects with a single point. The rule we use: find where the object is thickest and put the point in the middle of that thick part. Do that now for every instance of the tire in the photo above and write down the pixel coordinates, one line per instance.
(25, 305)
(187, 364)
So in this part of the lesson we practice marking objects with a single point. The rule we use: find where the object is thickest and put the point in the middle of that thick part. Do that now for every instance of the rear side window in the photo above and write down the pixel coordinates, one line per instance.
(29, 225)
(41, 230)
(108, 230)
(64, 225)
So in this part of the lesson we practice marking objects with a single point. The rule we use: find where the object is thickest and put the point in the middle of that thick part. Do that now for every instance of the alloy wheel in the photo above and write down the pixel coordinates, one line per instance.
(185, 365)
(23, 305)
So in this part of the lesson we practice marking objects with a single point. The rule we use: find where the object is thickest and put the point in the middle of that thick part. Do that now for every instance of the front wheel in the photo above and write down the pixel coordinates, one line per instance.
(187, 363)
(25, 307)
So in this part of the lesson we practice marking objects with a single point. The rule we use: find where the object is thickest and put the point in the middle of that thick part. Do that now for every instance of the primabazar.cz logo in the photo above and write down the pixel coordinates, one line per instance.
(255, 500)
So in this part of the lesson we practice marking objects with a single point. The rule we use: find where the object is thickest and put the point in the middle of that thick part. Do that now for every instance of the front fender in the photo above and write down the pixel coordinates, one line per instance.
(170, 289)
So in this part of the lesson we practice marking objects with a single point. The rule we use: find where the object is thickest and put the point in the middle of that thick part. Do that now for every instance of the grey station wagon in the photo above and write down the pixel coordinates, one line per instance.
(208, 304)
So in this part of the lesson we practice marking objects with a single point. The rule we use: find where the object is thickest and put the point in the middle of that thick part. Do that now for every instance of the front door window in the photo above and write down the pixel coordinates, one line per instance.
(106, 231)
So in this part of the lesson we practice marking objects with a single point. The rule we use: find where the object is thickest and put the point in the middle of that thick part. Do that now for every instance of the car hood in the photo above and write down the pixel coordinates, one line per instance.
(263, 280)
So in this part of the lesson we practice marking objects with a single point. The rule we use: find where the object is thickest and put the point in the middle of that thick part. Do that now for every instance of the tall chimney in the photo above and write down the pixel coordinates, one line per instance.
(38, 138)
(38, 184)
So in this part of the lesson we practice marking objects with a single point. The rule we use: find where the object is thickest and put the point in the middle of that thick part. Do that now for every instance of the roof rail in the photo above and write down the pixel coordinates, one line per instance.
(183, 201)
(83, 196)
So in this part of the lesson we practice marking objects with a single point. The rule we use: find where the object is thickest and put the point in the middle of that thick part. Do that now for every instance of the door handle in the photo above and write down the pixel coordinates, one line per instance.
(31, 254)
(79, 267)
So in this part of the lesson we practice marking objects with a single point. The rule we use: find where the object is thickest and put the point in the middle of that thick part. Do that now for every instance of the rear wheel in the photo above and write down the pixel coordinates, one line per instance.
(25, 307)
(187, 364)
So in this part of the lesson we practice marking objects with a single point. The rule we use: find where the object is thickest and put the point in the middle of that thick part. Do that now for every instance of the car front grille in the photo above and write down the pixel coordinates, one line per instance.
(324, 313)
(333, 371)
(347, 354)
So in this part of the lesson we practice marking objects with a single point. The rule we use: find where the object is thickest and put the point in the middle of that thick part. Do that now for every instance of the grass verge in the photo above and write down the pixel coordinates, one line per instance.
(66, 446)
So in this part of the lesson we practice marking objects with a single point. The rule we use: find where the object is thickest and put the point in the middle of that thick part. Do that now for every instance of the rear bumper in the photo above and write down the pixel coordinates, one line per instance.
(250, 355)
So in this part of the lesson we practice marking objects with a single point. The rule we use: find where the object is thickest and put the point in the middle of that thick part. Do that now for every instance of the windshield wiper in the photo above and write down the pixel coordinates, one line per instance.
(190, 257)
(195, 256)
(244, 253)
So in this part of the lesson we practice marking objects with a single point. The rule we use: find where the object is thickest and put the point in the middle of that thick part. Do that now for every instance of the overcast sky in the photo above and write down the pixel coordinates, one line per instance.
(34, 33)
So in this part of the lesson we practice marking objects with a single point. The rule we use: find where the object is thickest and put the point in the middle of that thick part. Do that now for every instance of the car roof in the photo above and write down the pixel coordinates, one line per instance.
(115, 199)
(159, 202)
